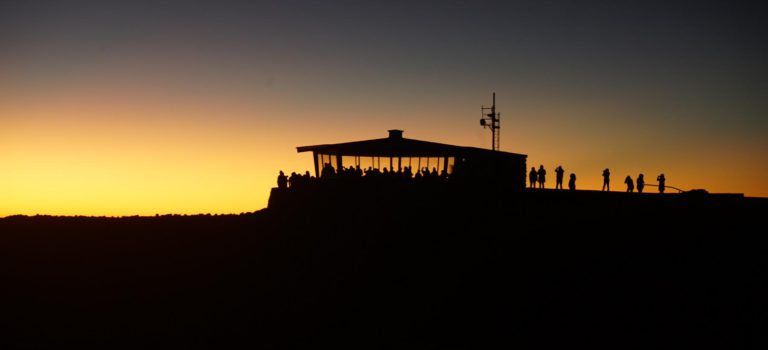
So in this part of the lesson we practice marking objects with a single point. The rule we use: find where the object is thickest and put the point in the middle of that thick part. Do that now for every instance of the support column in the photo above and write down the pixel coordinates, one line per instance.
(445, 164)
(317, 169)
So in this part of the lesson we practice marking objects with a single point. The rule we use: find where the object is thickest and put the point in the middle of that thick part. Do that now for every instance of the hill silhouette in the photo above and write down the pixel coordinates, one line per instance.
(427, 268)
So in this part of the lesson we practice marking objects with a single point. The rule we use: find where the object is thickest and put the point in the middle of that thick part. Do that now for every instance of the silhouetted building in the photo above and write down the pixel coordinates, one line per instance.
(396, 153)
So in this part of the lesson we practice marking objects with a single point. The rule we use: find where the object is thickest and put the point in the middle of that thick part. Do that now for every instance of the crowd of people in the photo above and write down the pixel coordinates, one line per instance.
(294, 181)
(640, 182)
(537, 178)
(540, 177)
(405, 172)
(328, 171)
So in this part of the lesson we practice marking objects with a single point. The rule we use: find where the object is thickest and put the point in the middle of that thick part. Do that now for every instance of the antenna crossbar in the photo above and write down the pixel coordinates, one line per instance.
(492, 121)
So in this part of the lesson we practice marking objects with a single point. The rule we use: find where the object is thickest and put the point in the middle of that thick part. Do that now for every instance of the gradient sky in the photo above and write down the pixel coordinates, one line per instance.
(144, 107)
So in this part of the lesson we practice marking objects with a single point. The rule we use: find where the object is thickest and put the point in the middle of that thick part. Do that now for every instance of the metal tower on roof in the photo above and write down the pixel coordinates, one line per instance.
(492, 121)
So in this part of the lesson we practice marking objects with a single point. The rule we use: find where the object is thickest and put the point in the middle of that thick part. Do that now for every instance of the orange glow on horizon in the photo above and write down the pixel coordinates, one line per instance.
(125, 109)
(143, 155)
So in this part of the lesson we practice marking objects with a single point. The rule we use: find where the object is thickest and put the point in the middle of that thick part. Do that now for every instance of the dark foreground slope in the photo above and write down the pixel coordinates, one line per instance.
(533, 270)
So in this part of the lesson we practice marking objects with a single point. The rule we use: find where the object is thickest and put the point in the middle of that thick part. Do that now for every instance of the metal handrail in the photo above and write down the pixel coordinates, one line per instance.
(665, 186)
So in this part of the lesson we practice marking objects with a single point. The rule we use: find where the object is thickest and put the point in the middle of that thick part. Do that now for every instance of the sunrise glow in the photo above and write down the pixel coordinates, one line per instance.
(193, 115)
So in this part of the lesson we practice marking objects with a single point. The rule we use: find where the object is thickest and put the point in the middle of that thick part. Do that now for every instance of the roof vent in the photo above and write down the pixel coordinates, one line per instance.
(395, 134)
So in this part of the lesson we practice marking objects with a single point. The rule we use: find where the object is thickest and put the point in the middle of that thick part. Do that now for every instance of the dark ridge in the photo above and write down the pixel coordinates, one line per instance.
(393, 267)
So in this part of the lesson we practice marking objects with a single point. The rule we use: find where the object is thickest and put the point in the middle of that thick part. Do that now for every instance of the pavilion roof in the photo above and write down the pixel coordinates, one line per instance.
(398, 146)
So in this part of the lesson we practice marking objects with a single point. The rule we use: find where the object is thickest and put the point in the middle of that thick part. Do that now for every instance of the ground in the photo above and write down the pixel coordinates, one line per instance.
(532, 269)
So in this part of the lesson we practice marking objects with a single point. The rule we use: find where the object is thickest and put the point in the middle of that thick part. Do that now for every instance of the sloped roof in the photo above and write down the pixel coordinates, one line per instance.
(398, 146)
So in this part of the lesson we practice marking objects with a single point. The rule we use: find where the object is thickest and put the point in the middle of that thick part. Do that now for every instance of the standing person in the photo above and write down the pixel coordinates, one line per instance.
(661, 181)
(572, 182)
(532, 177)
(606, 179)
(630, 184)
(282, 180)
(640, 183)
(542, 176)
(559, 177)
(292, 179)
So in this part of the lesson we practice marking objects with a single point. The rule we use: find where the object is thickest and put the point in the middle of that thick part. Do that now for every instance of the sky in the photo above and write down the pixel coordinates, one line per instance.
(145, 107)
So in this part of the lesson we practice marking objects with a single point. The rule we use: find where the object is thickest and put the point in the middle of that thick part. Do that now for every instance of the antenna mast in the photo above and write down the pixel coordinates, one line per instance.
(492, 121)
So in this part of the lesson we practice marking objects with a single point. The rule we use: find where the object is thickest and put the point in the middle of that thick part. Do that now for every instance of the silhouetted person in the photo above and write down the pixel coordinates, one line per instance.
(292, 180)
(630, 184)
(559, 177)
(640, 183)
(661, 181)
(328, 171)
(282, 180)
(572, 182)
(606, 180)
(532, 177)
(541, 175)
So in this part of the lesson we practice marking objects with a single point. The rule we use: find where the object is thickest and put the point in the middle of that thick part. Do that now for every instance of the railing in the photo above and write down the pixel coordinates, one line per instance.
(665, 187)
